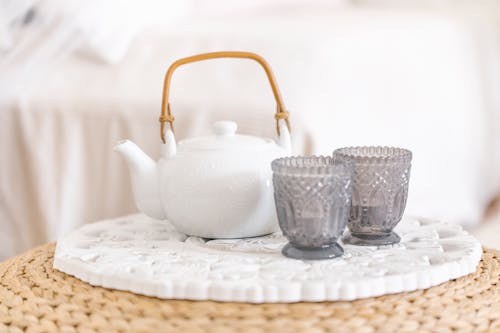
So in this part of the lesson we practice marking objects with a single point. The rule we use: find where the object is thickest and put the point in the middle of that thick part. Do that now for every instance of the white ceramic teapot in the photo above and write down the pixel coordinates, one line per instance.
(218, 186)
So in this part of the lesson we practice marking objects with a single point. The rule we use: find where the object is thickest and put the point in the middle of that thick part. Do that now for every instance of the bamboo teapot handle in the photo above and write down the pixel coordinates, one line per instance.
(166, 114)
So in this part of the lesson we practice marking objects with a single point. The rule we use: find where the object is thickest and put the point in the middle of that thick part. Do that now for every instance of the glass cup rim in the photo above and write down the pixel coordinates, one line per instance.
(311, 165)
(374, 154)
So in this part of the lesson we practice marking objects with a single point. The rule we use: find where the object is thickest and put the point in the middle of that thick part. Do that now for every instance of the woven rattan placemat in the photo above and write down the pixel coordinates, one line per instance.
(36, 298)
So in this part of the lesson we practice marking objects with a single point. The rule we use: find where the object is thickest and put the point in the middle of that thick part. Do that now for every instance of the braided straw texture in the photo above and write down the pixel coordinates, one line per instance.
(36, 298)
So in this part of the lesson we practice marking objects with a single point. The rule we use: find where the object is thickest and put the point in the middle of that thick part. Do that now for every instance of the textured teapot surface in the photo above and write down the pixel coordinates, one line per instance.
(221, 186)
(218, 186)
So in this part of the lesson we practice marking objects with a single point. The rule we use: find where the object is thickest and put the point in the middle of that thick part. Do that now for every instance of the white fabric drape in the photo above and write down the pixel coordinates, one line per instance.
(350, 76)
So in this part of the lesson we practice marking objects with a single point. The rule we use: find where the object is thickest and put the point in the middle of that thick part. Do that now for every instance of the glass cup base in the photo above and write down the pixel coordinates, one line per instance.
(327, 252)
(371, 240)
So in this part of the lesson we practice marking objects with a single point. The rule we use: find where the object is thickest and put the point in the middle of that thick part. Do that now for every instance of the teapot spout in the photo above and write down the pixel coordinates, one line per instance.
(144, 177)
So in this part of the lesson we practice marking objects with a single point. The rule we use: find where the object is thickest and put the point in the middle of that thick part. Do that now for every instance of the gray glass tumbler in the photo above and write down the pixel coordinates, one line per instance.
(312, 196)
(379, 191)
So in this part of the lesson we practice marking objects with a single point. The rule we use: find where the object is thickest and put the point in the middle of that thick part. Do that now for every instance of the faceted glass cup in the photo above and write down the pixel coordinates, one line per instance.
(379, 191)
(312, 196)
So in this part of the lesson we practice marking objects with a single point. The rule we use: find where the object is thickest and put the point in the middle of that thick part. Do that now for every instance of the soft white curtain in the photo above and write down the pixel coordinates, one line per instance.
(427, 80)
(35, 35)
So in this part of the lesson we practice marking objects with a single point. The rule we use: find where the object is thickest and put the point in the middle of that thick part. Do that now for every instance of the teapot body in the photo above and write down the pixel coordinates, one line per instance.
(215, 195)
(218, 186)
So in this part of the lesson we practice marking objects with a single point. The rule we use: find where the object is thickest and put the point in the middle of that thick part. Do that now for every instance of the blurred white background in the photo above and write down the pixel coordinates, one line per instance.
(76, 76)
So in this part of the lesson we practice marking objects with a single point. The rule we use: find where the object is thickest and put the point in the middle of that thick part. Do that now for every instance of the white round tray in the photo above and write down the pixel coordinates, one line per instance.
(150, 257)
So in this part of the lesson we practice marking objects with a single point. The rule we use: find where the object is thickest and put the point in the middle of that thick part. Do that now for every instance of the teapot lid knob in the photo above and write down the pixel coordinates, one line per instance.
(225, 128)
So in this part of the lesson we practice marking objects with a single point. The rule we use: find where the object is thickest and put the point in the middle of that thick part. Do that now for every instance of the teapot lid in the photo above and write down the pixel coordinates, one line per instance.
(226, 139)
